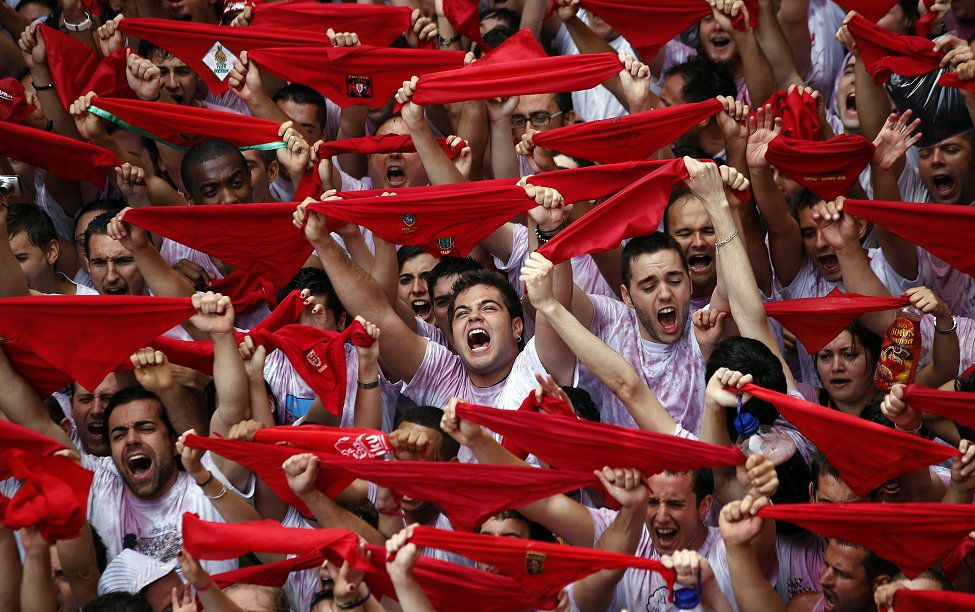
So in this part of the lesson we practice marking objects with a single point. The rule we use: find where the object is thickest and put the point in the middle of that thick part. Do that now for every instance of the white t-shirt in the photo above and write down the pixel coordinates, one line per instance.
(442, 375)
(825, 53)
(674, 372)
(800, 564)
(956, 288)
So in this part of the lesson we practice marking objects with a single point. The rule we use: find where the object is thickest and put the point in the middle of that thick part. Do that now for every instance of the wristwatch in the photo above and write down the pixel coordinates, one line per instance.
(85, 24)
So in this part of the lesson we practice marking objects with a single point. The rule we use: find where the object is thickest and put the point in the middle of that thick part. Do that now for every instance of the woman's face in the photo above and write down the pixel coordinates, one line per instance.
(846, 370)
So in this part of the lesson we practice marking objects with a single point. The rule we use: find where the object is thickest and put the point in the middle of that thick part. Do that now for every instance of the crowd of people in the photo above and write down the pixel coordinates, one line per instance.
(496, 304)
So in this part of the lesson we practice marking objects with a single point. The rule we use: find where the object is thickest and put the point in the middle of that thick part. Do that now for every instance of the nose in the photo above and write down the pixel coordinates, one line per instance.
(131, 436)
(697, 240)
(228, 196)
(418, 287)
(937, 157)
(170, 81)
(837, 365)
(111, 271)
(821, 243)
(828, 578)
(664, 291)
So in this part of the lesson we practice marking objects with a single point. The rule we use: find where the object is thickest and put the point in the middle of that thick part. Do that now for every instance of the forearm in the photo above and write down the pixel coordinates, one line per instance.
(532, 15)
(759, 78)
(411, 597)
(784, 237)
(750, 226)
(595, 592)
(12, 570)
(352, 124)
(231, 384)
(15, 24)
(473, 128)
(331, 515)
(357, 247)
(161, 279)
(871, 101)
(21, 405)
(357, 291)
(504, 159)
(215, 600)
(753, 592)
(859, 277)
(80, 567)
(786, 37)
(368, 402)
(181, 411)
(713, 598)
(588, 41)
(440, 170)
(945, 357)
(37, 591)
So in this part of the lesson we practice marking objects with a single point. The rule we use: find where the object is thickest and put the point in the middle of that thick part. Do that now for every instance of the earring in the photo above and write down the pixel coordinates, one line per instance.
(517, 338)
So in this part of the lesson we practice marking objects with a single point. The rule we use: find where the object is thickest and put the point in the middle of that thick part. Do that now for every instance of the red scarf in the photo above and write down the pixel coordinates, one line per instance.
(649, 24)
(541, 568)
(192, 42)
(194, 227)
(872, 10)
(955, 405)
(865, 454)
(13, 436)
(817, 321)
(568, 443)
(799, 113)
(464, 16)
(247, 291)
(952, 561)
(907, 600)
(352, 76)
(347, 442)
(53, 495)
(183, 126)
(41, 375)
(829, 168)
(66, 158)
(480, 81)
(548, 405)
(116, 326)
(375, 24)
(13, 101)
(924, 225)
(76, 69)
(911, 536)
(387, 143)
(620, 139)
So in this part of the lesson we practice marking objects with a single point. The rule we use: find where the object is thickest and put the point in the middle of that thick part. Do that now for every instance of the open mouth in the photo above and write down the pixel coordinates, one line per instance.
(139, 466)
(944, 185)
(891, 487)
(116, 290)
(851, 102)
(839, 383)
(421, 308)
(829, 600)
(829, 263)
(95, 430)
(666, 537)
(720, 42)
(395, 177)
(699, 263)
(667, 317)
(478, 340)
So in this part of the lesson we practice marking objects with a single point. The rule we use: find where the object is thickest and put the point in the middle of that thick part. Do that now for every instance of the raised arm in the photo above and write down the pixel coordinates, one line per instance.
(739, 526)
(154, 373)
(759, 78)
(368, 399)
(401, 557)
(440, 169)
(21, 405)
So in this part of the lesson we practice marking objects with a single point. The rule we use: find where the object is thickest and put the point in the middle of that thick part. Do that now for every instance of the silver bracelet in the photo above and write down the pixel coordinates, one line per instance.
(718, 245)
(950, 330)
(223, 491)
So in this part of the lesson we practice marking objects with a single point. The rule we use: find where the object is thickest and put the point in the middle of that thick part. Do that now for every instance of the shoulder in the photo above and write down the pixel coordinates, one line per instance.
(805, 602)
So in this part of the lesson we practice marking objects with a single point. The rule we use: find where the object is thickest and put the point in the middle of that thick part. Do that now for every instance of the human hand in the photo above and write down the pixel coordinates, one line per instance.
(500, 109)
(412, 113)
(254, 356)
(955, 49)
(845, 38)
(567, 9)
(898, 411)
(194, 574)
(709, 326)
(368, 353)
(705, 182)
(762, 129)
(928, 302)
(90, 126)
(192, 458)
(724, 11)
(537, 276)
(739, 522)
(840, 230)
(716, 390)
(131, 182)
(109, 38)
(342, 39)
(312, 223)
(463, 431)
(152, 370)
(894, 139)
(688, 565)
(244, 79)
(963, 468)
(551, 210)
(760, 477)
(733, 120)
(301, 472)
(143, 77)
(33, 47)
(194, 272)
(295, 156)
(245, 430)
(464, 161)
(422, 29)
(403, 553)
(214, 313)
(635, 79)
(132, 237)
(628, 486)
(243, 18)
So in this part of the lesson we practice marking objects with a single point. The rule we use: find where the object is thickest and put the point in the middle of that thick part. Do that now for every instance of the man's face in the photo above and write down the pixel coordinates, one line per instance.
(817, 249)
(88, 409)
(846, 106)
(81, 224)
(672, 90)
(396, 170)
(844, 580)
(484, 333)
(660, 292)
(440, 295)
(142, 448)
(198, 11)
(716, 43)
(412, 286)
(895, 21)
(261, 175)
(66, 601)
(36, 263)
(947, 170)
(831, 490)
(507, 528)
(690, 225)
(537, 107)
(178, 80)
(112, 268)
(674, 519)
(221, 180)
(305, 115)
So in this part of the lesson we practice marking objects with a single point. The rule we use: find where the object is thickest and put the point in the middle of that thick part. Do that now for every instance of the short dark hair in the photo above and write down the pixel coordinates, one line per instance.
(749, 356)
(497, 35)
(820, 467)
(648, 245)
(564, 101)
(536, 531)
(119, 602)
(302, 94)
(489, 278)
(702, 482)
(448, 266)
(874, 565)
(134, 394)
(582, 404)
(98, 227)
(510, 18)
(805, 199)
(704, 79)
(32, 220)
(148, 50)
(48, 4)
(204, 151)
(111, 205)
(316, 281)
(430, 417)
(406, 253)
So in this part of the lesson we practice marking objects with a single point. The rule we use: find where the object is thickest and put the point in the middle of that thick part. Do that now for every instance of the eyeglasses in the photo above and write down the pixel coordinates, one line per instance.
(538, 119)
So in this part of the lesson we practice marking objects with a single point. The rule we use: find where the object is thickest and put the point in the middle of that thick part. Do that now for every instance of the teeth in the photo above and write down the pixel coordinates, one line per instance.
(667, 311)
(419, 303)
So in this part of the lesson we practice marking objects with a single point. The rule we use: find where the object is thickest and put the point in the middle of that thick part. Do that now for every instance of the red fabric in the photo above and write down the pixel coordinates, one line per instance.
(66, 158)
(872, 10)
(247, 291)
(194, 227)
(817, 321)
(799, 113)
(523, 45)
(375, 24)
(270, 574)
(480, 81)
(13, 436)
(951, 79)
(865, 454)
(350, 76)
(906, 600)
(925, 225)
(464, 16)
(955, 405)
(13, 101)
(185, 126)
(911, 536)
(190, 42)
(76, 69)
(635, 211)
(829, 168)
(317, 355)
(630, 137)
(649, 24)
(53, 494)
(923, 25)
(548, 405)
(39, 373)
(348, 442)
(542, 568)
(570, 444)
(50, 326)
(387, 143)
(952, 561)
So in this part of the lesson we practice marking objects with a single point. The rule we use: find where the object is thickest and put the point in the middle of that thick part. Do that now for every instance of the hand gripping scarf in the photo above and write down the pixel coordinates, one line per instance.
(829, 168)
(542, 568)
(210, 50)
(548, 405)
(955, 405)
(181, 127)
(631, 137)
(799, 113)
(351, 76)
(13, 101)
(924, 225)
(247, 291)
(50, 326)
(817, 321)
(865, 454)
(53, 495)
(76, 69)
(649, 24)
(347, 442)
(66, 158)
(464, 16)
(911, 536)
(375, 24)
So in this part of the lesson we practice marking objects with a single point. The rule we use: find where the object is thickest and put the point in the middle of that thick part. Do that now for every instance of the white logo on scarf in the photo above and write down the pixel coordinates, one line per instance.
(220, 60)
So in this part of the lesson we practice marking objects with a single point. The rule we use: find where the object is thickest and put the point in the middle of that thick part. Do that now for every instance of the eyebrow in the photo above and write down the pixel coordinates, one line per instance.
(137, 424)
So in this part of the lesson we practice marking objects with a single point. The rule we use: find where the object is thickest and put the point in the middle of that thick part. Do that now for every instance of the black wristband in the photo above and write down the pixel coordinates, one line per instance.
(43, 87)
(351, 605)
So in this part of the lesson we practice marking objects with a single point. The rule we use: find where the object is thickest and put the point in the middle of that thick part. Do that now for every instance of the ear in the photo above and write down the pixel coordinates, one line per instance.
(52, 252)
(861, 228)
(812, 495)
(66, 426)
(273, 170)
(705, 507)
(343, 318)
(625, 294)
(517, 327)
(880, 580)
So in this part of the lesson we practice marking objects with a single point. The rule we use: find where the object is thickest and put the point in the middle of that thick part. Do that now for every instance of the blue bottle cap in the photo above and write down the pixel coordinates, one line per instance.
(746, 424)
(686, 598)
